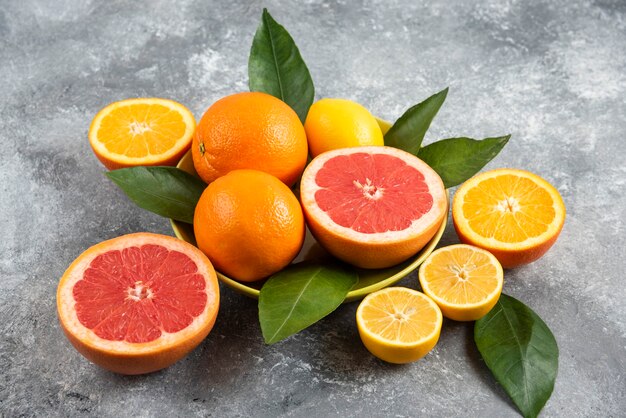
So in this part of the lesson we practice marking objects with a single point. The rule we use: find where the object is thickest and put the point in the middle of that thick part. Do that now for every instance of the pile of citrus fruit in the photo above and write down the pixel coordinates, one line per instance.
(140, 302)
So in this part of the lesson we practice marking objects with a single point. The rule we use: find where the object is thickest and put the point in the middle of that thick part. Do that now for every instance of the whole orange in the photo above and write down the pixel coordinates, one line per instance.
(250, 130)
(249, 224)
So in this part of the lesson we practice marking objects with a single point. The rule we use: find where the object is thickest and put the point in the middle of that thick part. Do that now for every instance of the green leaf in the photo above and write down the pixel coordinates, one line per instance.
(275, 67)
(408, 131)
(301, 295)
(521, 352)
(166, 191)
(457, 159)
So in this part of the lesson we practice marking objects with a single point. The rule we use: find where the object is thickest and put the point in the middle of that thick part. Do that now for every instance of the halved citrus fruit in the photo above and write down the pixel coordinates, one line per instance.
(372, 206)
(138, 303)
(145, 131)
(514, 214)
(399, 325)
(465, 281)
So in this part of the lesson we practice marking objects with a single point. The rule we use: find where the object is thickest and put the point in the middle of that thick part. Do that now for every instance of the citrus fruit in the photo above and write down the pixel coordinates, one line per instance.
(514, 214)
(147, 131)
(398, 325)
(138, 303)
(250, 130)
(339, 123)
(465, 281)
(372, 207)
(249, 224)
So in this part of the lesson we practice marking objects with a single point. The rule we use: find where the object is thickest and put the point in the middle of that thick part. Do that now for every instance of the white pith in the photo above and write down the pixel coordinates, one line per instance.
(431, 178)
(369, 190)
(139, 291)
(138, 128)
(510, 204)
(75, 272)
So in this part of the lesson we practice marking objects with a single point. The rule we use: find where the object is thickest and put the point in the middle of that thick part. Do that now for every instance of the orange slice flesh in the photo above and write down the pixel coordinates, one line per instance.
(512, 213)
(399, 325)
(146, 131)
(465, 281)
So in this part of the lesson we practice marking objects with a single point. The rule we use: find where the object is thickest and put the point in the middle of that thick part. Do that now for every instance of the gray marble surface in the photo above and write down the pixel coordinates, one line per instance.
(551, 73)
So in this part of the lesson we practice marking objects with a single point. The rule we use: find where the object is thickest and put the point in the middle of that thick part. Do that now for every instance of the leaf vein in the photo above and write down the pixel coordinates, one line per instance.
(293, 307)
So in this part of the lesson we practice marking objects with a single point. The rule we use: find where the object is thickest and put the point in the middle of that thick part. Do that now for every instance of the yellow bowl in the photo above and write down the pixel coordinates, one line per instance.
(369, 280)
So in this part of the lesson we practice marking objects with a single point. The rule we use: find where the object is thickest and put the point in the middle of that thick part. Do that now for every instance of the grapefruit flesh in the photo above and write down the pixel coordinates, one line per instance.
(138, 303)
(372, 207)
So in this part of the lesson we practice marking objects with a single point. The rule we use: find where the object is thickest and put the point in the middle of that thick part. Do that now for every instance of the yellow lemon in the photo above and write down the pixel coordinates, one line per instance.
(399, 325)
(465, 281)
(340, 123)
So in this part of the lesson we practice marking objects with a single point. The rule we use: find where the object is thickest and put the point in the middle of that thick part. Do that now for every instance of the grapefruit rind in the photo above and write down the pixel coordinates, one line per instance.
(170, 157)
(161, 352)
(378, 249)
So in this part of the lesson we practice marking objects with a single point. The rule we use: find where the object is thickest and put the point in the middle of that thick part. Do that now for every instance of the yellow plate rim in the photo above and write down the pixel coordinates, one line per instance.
(353, 295)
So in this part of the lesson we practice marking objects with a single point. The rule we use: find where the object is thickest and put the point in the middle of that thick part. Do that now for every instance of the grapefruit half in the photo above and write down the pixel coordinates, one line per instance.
(370, 206)
(138, 303)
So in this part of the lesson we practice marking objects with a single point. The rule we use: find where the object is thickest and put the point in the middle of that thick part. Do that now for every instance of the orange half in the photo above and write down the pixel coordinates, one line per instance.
(514, 214)
(145, 131)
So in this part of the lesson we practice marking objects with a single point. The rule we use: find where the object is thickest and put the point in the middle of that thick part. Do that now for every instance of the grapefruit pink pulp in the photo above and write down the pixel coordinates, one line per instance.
(138, 303)
(372, 207)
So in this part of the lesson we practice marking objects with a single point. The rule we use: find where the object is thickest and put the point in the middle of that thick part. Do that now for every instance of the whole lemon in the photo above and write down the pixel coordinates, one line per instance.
(340, 123)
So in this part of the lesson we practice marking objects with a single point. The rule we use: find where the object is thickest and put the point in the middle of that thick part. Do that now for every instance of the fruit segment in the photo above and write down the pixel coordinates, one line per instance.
(403, 318)
(141, 129)
(508, 208)
(137, 293)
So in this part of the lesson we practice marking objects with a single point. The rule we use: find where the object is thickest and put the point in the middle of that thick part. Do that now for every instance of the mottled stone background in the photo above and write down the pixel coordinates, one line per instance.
(551, 73)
